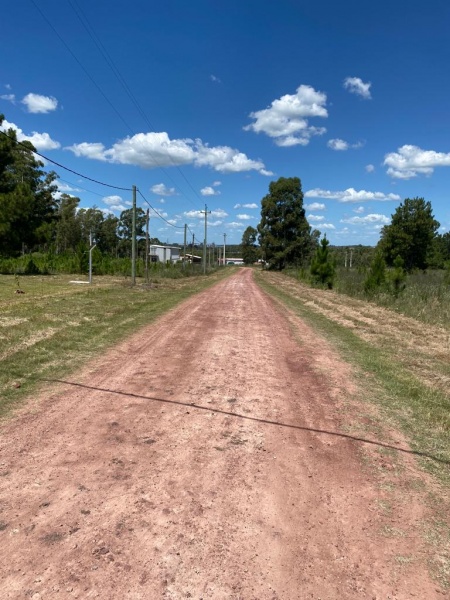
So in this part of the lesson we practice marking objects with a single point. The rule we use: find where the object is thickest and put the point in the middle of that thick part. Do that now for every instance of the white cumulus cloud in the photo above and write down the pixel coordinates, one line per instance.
(41, 141)
(367, 220)
(162, 190)
(327, 226)
(355, 85)
(114, 203)
(243, 217)
(315, 218)
(370, 168)
(249, 205)
(286, 119)
(219, 213)
(209, 191)
(315, 206)
(351, 195)
(152, 150)
(36, 103)
(234, 225)
(410, 161)
(337, 144)
(200, 214)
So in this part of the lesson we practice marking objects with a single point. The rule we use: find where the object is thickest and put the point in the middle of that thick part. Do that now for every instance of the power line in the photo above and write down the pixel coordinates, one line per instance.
(103, 51)
(159, 215)
(84, 21)
(82, 67)
(78, 187)
(115, 187)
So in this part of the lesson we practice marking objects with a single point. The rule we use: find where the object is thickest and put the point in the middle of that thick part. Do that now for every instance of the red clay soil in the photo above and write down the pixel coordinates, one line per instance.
(201, 458)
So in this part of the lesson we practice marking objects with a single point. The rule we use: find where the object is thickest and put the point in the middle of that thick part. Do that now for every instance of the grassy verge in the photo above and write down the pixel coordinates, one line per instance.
(421, 412)
(426, 296)
(56, 326)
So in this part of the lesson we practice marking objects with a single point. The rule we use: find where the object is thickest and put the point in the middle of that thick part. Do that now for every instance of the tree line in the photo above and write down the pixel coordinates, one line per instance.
(35, 217)
(284, 238)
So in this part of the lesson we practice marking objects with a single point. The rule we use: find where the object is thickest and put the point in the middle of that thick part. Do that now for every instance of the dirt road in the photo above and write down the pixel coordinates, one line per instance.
(203, 458)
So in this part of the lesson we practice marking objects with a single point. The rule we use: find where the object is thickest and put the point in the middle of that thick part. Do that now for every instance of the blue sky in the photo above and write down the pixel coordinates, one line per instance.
(206, 102)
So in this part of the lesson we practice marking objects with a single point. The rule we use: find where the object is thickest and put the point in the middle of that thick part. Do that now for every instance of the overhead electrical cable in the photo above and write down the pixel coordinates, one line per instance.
(157, 213)
(84, 21)
(78, 187)
(82, 67)
(115, 187)
(103, 51)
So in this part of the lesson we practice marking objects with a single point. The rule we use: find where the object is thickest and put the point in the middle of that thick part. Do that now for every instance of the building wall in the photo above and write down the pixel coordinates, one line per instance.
(165, 254)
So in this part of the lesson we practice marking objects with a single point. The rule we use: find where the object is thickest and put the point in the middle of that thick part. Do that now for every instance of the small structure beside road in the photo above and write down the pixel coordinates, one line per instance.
(164, 254)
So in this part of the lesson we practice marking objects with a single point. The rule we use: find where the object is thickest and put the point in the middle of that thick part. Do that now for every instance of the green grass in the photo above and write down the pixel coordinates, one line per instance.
(55, 326)
(426, 296)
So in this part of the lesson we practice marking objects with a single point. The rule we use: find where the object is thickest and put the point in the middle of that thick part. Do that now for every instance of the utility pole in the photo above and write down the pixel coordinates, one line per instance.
(133, 240)
(224, 245)
(351, 257)
(147, 244)
(185, 234)
(91, 248)
(204, 239)
(345, 260)
(192, 255)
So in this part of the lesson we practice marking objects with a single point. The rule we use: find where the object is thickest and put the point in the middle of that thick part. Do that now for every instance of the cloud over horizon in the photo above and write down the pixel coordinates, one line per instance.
(286, 119)
(410, 161)
(351, 195)
(156, 149)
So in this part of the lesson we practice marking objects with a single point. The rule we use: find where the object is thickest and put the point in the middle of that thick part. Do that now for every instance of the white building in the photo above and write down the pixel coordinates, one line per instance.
(164, 254)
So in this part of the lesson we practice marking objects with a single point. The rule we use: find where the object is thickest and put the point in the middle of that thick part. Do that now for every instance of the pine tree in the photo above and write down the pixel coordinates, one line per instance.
(376, 277)
(322, 268)
(284, 232)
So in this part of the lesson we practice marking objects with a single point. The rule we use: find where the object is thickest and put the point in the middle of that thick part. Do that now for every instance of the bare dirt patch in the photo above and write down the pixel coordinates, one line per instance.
(206, 458)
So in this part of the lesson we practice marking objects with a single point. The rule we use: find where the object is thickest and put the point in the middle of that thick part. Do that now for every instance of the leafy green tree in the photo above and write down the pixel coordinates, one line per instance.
(410, 234)
(376, 277)
(250, 252)
(68, 229)
(90, 220)
(107, 238)
(440, 251)
(284, 232)
(126, 221)
(125, 228)
(322, 266)
(27, 201)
